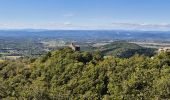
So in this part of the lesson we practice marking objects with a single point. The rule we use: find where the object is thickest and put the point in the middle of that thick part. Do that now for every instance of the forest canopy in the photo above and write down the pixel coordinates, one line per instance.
(65, 74)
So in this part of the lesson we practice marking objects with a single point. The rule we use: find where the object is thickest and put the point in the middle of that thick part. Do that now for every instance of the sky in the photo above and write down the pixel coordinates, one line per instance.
(85, 14)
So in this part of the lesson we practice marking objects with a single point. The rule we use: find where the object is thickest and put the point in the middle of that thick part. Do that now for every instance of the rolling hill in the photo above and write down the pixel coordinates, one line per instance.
(125, 50)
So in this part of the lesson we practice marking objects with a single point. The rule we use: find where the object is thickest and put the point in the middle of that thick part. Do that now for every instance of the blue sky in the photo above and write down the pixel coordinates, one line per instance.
(85, 14)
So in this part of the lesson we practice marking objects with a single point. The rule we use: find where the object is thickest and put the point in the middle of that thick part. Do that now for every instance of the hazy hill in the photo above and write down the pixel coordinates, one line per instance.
(80, 35)
(125, 50)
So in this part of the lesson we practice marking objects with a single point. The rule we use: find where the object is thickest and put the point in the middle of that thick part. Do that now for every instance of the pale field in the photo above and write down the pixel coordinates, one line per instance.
(152, 44)
(1, 61)
(12, 57)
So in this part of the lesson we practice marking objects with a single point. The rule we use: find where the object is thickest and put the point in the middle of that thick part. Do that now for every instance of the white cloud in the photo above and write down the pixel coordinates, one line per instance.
(143, 26)
(67, 23)
(70, 25)
(69, 15)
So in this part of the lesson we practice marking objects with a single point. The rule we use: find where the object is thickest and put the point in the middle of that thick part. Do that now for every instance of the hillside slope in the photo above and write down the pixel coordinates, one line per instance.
(125, 50)
(65, 74)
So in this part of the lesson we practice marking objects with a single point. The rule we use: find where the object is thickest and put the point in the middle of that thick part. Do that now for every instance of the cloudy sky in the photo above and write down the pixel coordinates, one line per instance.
(85, 14)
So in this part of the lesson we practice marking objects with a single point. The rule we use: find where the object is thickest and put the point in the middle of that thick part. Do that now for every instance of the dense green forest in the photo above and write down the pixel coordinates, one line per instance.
(125, 50)
(68, 75)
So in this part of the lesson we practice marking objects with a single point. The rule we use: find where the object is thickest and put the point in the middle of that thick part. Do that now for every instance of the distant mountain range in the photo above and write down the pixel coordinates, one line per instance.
(88, 34)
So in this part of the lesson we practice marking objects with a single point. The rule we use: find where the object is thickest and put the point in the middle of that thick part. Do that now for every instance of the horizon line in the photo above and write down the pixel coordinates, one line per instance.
(45, 29)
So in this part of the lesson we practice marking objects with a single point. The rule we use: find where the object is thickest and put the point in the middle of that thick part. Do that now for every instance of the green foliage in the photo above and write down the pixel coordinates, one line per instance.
(65, 74)
(125, 50)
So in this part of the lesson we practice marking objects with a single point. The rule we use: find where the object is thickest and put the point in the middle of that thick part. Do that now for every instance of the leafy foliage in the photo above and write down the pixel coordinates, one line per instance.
(65, 74)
